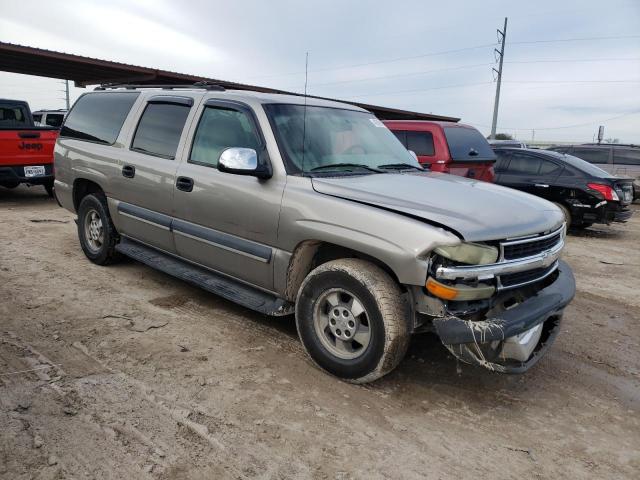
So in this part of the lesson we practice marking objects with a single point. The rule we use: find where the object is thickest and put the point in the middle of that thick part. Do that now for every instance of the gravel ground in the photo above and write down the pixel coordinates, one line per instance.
(137, 375)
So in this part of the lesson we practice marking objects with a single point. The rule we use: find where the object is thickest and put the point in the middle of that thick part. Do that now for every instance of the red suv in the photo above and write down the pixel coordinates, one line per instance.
(447, 147)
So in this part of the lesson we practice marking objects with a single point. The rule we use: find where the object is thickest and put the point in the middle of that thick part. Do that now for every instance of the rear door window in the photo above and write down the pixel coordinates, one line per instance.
(98, 117)
(219, 129)
(160, 128)
(592, 155)
(626, 156)
(522, 164)
(37, 118)
(421, 143)
(467, 144)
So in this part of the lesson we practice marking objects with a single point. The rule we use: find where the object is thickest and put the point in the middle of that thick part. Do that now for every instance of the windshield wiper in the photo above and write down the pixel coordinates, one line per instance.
(401, 166)
(343, 165)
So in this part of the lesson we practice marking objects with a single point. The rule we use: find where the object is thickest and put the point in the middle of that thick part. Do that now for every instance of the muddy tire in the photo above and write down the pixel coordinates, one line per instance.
(353, 320)
(566, 213)
(98, 237)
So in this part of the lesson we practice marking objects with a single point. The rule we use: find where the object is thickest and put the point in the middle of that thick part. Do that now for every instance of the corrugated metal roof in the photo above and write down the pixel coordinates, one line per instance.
(93, 71)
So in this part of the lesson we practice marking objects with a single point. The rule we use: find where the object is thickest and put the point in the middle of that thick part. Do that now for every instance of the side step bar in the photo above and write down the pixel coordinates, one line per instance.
(227, 288)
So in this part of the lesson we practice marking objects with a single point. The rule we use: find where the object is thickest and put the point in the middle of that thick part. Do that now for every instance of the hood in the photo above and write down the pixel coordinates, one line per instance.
(477, 211)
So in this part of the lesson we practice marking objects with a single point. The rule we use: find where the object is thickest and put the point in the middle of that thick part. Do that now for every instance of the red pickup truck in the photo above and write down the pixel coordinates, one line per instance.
(447, 147)
(26, 151)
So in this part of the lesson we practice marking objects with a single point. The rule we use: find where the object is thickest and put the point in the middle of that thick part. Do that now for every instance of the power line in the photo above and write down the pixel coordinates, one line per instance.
(397, 92)
(572, 81)
(564, 126)
(578, 60)
(578, 39)
(402, 75)
(378, 62)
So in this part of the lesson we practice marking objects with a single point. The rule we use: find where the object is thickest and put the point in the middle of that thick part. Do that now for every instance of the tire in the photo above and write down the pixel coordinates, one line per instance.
(49, 188)
(351, 285)
(98, 241)
(566, 213)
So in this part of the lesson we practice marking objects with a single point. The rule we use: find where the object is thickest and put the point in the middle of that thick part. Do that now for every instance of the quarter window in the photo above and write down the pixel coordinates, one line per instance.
(98, 117)
(219, 129)
(160, 128)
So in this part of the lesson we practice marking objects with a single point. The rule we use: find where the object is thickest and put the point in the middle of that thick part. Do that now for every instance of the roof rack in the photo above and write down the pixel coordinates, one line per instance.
(133, 86)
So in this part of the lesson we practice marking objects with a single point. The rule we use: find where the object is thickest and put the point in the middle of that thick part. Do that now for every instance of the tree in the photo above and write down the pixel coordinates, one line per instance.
(611, 140)
(503, 136)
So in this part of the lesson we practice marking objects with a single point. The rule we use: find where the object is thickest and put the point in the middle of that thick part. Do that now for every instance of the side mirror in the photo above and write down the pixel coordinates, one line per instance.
(243, 161)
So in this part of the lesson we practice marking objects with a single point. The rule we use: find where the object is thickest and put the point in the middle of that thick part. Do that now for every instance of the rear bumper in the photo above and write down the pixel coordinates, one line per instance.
(15, 174)
(604, 212)
(463, 337)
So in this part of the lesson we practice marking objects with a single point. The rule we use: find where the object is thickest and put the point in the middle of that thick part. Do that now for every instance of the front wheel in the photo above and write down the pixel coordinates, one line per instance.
(566, 213)
(353, 320)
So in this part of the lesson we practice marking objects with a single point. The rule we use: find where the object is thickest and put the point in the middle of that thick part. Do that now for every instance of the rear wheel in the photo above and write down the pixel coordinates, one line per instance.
(566, 213)
(98, 237)
(353, 320)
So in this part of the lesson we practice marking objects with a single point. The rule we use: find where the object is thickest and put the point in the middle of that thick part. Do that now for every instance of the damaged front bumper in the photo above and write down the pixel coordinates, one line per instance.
(467, 339)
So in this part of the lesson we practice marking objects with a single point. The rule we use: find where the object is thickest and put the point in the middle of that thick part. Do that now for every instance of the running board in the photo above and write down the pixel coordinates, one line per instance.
(225, 287)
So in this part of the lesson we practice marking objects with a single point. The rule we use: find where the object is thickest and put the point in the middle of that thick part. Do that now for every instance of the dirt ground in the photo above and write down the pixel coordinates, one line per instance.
(138, 375)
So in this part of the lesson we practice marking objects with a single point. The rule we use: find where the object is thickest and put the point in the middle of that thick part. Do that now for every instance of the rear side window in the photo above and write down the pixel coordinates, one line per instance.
(159, 129)
(98, 117)
(219, 129)
(421, 143)
(523, 164)
(54, 119)
(626, 156)
(549, 168)
(592, 155)
(467, 144)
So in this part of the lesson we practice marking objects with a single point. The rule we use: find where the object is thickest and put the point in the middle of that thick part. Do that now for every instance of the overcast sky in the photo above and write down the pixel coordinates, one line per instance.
(561, 77)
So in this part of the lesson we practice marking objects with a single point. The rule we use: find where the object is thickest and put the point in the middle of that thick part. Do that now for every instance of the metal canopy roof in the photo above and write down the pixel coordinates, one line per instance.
(93, 71)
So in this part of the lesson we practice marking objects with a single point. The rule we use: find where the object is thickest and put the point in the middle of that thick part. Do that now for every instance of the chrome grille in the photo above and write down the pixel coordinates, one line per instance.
(515, 249)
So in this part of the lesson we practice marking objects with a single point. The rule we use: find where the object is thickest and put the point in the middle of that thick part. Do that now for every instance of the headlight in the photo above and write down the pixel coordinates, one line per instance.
(470, 253)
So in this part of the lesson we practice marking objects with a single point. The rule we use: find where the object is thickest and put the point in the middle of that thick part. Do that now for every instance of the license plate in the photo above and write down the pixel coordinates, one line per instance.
(33, 171)
(627, 196)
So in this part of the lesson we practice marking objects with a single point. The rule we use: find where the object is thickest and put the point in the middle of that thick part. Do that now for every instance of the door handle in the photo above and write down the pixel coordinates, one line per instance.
(542, 185)
(185, 184)
(128, 171)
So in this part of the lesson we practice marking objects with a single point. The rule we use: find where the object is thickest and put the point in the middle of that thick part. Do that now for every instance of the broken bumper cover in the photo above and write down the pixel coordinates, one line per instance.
(461, 336)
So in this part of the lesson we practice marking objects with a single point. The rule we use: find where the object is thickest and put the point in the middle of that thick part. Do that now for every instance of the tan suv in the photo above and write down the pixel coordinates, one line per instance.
(287, 204)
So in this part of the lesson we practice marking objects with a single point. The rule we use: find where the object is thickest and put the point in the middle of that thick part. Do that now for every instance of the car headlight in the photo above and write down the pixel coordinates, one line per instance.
(470, 253)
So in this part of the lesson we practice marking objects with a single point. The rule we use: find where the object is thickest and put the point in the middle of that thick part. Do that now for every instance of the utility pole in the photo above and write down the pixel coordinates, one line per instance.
(66, 85)
(503, 36)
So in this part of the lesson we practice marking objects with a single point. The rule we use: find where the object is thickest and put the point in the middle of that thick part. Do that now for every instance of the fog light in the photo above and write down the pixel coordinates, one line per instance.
(458, 292)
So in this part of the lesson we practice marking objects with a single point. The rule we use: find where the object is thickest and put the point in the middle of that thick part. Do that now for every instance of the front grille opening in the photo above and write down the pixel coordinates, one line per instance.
(513, 279)
(528, 249)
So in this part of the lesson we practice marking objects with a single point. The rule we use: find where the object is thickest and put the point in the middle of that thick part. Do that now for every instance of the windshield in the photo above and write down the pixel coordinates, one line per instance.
(335, 140)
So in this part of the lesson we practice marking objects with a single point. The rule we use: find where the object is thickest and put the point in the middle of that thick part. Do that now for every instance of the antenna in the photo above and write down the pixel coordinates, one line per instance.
(304, 114)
